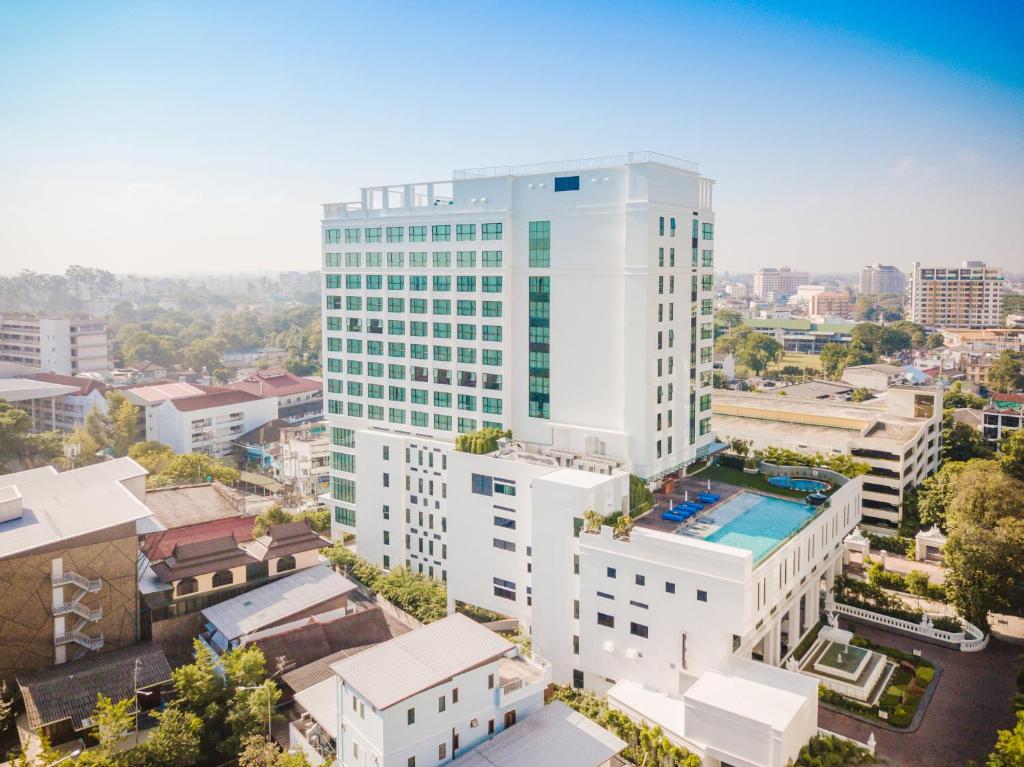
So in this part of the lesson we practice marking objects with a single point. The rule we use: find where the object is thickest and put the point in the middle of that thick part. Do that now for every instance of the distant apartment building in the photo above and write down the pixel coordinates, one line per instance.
(772, 283)
(1003, 415)
(200, 419)
(876, 279)
(55, 345)
(513, 298)
(967, 297)
(74, 406)
(994, 340)
(898, 435)
(830, 303)
(68, 557)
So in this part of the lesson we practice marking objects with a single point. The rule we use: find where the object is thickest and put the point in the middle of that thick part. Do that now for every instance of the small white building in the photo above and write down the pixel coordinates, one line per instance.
(76, 405)
(43, 401)
(305, 458)
(420, 699)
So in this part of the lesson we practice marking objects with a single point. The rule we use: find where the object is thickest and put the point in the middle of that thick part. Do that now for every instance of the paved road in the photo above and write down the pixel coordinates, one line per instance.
(972, 701)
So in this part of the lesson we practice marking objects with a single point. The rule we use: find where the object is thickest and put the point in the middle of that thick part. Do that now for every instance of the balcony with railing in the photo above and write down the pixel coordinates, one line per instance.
(521, 674)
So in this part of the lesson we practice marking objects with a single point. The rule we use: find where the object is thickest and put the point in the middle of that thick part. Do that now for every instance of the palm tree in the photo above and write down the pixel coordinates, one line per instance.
(622, 526)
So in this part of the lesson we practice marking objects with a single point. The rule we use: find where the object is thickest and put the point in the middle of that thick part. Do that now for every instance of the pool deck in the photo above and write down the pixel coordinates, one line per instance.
(652, 520)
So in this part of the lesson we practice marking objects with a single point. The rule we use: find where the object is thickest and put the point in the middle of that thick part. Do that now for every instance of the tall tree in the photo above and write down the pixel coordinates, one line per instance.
(961, 441)
(1011, 454)
(1005, 373)
(14, 428)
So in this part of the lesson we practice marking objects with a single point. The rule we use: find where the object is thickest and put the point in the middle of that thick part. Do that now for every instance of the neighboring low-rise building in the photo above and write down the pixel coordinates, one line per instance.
(987, 340)
(876, 377)
(298, 398)
(55, 345)
(423, 698)
(897, 434)
(305, 458)
(829, 304)
(803, 335)
(68, 552)
(44, 402)
(72, 409)
(200, 419)
(1004, 414)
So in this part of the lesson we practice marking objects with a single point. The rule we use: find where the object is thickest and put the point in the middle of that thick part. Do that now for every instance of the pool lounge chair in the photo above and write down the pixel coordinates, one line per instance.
(709, 497)
(671, 516)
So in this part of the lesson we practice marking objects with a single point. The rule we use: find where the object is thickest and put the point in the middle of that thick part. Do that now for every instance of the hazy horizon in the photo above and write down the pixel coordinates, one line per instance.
(145, 138)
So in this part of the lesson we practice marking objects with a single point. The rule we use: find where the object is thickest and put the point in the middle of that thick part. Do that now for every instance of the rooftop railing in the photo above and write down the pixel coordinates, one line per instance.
(568, 166)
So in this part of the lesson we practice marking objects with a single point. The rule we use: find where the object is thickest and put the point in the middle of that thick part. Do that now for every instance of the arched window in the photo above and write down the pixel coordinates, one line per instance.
(286, 563)
(223, 578)
(187, 586)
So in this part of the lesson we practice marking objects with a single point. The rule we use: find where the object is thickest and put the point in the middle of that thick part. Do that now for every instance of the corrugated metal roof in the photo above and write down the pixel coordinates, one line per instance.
(395, 670)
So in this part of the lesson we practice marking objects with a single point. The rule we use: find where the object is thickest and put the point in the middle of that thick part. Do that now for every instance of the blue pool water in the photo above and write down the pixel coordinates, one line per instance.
(758, 522)
(806, 485)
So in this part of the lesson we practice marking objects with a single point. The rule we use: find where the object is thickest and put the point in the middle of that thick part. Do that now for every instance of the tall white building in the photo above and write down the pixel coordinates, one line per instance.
(569, 302)
(55, 345)
(970, 296)
(772, 283)
(876, 279)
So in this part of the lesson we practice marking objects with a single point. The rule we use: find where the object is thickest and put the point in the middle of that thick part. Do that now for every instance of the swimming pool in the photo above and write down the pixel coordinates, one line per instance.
(756, 522)
(806, 485)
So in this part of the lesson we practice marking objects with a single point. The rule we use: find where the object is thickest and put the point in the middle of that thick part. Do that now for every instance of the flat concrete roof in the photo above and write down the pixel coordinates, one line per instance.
(747, 698)
(23, 389)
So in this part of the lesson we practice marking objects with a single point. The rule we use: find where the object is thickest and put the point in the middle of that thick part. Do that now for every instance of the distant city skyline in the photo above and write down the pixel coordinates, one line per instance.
(148, 138)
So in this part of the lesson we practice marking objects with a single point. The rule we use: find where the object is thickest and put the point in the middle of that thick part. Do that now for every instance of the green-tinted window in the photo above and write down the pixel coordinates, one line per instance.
(375, 348)
(442, 330)
(345, 516)
(352, 260)
(353, 304)
(705, 306)
(466, 308)
(442, 306)
(540, 243)
(467, 425)
(491, 357)
(334, 344)
(465, 259)
(418, 351)
(442, 259)
(333, 302)
(375, 369)
(705, 425)
(417, 306)
(707, 282)
(416, 418)
(467, 402)
(332, 260)
(442, 399)
(374, 281)
(396, 305)
(492, 333)
(396, 349)
(441, 232)
(351, 235)
(354, 368)
(353, 281)
(395, 233)
(443, 422)
(373, 234)
(465, 284)
(417, 328)
(343, 462)
(343, 489)
(466, 332)
(465, 231)
(333, 365)
(333, 322)
(705, 402)
(539, 348)
(396, 393)
(375, 391)
(375, 412)
(467, 356)
(491, 231)
(374, 259)
(442, 283)
(707, 258)
(443, 353)
(355, 409)
(491, 308)
(491, 259)
(355, 389)
(396, 282)
(418, 396)
(491, 284)
(354, 345)
(707, 233)
(343, 437)
(417, 283)
(396, 258)
(492, 405)
(418, 258)
(332, 236)
(417, 234)
(396, 415)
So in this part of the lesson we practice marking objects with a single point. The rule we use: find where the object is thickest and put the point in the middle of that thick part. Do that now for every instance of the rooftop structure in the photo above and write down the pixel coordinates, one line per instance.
(316, 589)
(556, 736)
(188, 505)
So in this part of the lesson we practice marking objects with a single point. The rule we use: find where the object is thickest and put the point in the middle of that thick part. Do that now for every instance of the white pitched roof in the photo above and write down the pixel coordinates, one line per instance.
(20, 389)
(276, 601)
(401, 667)
(750, 699)
(61, 505)
(555, 736)
(321, 701)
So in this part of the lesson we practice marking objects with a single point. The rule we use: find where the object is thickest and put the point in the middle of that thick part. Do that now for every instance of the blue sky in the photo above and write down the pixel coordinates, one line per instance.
(157, 137)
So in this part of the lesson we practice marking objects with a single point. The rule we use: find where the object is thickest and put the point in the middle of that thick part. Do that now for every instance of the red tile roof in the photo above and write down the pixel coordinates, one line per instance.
(85, 385)
(212, 399)
(160, 545)
(275, 382)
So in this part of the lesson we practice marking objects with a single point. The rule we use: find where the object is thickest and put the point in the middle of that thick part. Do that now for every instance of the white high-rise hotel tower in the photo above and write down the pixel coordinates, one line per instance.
(569, 302)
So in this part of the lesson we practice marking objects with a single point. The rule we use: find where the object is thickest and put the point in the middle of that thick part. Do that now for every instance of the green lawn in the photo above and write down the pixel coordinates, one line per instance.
(742, 479)
(801, 360)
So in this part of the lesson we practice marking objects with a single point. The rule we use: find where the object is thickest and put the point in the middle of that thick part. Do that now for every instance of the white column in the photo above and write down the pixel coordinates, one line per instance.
(794, 624)
(59, 653)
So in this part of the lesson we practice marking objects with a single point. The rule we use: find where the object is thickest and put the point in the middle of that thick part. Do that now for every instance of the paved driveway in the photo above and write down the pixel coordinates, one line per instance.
(972, 701)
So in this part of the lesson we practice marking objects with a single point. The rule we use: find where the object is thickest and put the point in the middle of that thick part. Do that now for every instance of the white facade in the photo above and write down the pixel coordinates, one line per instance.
(305, 458)
(211, 430)
(54, 345)
(570, 303)
(772, 283)
(877, 279)
(426, 704)
(970, 296)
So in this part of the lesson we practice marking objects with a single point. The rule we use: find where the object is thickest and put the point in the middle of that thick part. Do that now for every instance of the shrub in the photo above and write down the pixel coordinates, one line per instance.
(946, 623)
(924, 676)
(890, 700)
(894, 544)
(480, 442)
(916, 583)
(901, 717)
(831, 751)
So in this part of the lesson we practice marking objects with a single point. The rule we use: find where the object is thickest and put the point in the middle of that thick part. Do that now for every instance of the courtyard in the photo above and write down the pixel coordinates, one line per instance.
(972, 701)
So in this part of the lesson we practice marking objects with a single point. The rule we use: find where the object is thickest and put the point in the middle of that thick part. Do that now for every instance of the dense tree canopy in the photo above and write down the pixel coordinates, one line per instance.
(1005, 374)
